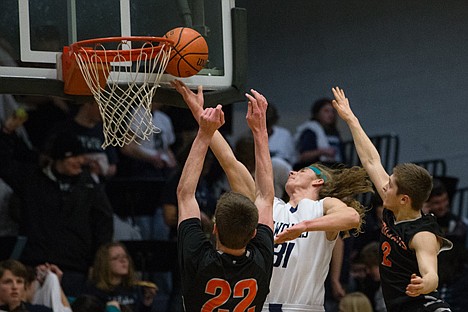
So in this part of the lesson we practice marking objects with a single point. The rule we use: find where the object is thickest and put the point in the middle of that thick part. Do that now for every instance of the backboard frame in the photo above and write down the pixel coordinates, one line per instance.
(227, 88)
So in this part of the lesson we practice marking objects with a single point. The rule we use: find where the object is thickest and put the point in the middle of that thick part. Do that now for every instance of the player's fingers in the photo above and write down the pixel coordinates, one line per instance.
(411, 294)
(340, 93)
(416, 281)
(205, 114)
(249, 105)
(258, 95)
(336, 91)
(213, 112)
(200, 89)
(249, 109)
(221, 114)
(218, 112)
(175, 85)
(251, 98)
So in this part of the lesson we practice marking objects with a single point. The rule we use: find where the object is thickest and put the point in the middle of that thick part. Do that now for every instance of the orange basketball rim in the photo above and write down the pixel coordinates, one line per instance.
(95, 51)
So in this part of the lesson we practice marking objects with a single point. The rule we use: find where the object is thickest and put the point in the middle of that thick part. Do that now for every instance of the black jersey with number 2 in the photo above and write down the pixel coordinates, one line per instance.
(215, 281)
(398, 263)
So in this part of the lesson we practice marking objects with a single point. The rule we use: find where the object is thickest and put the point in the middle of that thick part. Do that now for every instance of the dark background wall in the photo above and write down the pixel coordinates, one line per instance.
(403, 65)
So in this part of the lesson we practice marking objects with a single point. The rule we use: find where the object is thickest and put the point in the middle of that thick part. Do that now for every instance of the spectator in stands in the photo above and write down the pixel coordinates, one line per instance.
(113, 279)
(151, 159)
(13, 276)
(280, 139)
(244, 152)
(12, 116)
(453, 261)
(370, 257)
(318, 139)
(86, 125)
(439, 205)
(355, 302)
(43, 287)
(154, 157)
(10, 107)
(65, 214)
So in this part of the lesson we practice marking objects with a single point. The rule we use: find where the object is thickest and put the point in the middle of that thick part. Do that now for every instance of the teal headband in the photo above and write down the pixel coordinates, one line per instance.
(318, 172)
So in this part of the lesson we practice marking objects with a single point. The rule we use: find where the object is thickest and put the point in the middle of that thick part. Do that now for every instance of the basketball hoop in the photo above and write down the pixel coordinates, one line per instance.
(123, 80)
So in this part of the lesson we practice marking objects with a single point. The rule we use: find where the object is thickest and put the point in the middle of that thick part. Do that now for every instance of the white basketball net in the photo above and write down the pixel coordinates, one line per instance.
(125, 103)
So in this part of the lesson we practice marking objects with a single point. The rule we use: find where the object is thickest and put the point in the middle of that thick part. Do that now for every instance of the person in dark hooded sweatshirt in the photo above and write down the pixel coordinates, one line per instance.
(64, 213)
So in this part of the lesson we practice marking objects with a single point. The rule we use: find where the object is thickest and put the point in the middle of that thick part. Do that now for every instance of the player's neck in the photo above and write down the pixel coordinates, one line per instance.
(230, 251)
(406, 213)
(300, 194)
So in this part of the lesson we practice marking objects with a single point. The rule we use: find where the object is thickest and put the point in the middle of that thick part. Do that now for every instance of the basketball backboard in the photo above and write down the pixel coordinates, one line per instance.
(34, 32)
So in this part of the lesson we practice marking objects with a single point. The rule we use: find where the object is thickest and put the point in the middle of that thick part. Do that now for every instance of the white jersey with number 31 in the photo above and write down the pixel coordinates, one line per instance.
(300, 266)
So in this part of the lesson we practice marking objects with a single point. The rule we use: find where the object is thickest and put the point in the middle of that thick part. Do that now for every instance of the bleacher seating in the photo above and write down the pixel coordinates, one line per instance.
(460, 202)
(436, 167)
(388, 146)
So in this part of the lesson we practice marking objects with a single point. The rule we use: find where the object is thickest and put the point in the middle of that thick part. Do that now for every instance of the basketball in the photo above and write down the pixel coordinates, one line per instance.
(189, 53)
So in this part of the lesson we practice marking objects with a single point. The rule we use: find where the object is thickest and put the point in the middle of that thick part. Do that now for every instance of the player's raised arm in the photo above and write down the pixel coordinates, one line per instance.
(265, 192)
(210, 120)
(238, 175)
(366, 151)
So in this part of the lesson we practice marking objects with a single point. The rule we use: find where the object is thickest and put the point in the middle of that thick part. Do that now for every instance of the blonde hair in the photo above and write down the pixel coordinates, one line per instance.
(355, 302)
(346, 184)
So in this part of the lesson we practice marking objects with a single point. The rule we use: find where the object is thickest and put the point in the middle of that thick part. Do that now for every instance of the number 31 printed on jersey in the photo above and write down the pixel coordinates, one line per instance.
(281, 254)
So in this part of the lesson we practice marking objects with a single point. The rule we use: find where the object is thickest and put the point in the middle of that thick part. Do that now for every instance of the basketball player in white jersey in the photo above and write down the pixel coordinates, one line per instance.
(306, 229)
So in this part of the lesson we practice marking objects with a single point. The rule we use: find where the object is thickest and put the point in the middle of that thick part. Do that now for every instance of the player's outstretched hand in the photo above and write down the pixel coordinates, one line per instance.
(290, 233)
(341, 104)
(211, 119)
(256, 111)
(415, 287)
(193, 100)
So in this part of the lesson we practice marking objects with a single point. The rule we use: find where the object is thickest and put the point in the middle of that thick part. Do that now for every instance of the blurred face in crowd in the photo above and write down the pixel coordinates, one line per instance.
(119, 262)
(439, 205)
(12, 289)
(70, 166)
(327, 115)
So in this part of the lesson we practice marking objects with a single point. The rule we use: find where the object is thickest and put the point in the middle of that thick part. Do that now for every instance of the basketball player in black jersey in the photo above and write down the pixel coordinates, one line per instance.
(235, 274)
(409, 240)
